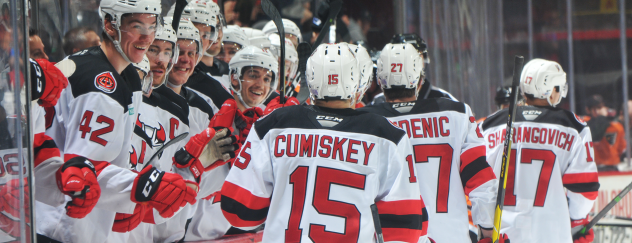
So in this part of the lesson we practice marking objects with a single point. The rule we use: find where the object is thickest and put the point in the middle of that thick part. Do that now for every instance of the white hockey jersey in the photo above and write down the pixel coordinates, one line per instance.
(450, 163)
(94, 118)
(551, 150)
(311, 174)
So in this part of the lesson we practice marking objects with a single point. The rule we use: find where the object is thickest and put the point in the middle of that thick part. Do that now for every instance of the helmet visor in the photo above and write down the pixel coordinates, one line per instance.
(140, 24)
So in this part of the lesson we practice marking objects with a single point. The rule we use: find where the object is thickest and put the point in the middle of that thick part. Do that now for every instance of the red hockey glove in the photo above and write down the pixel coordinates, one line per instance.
(503, 239)
(586, 237)
(166, 192)
(48, 82)
(275, 104)
(78, 179)
(226, 115)
(244, 121)
(127, 222)
(205, 149)
(10, 198)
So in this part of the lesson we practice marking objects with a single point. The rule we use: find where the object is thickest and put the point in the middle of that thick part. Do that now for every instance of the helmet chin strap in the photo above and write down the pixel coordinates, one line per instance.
(117, 45)
(170, 85)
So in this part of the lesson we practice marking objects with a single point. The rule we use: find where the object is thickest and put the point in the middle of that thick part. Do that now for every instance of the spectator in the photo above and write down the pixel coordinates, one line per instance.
(36, 47)
(80, 38)
(608, 135)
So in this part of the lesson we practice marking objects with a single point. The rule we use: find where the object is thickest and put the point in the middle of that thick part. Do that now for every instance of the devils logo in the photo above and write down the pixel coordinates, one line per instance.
(152, 136)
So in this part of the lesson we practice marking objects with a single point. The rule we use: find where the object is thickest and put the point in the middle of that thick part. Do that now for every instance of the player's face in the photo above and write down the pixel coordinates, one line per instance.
(186, 62)
(137, 33)
(36, 48)
(228, 51)
(255, 85)
(292, 38)
(216, 47)
(206, 34)
(159, 54)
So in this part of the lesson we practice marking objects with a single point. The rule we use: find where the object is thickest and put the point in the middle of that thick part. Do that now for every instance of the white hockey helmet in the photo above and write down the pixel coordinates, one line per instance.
(252, 56)
(233, 33)
(539, 77)
(366, 69)
(117, 8)
(200, 12)
(288, 25)
(291, 56)
(332, 72)
(146, 84)
(188, 31)
(257, 38)
(399, 66)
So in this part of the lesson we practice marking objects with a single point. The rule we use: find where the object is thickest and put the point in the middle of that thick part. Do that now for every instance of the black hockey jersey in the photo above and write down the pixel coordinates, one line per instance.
(207, 87)
(427, 91)
(312, 173)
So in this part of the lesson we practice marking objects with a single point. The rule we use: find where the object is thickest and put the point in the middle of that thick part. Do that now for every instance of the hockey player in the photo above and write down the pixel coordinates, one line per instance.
(292, 31)
(217, 67)
(427, 90)
(366, 72)
(95, 119)
(311, 173)
(449, 151)
(201, 81)
(234, 40)
(253, 73)
(551, 151)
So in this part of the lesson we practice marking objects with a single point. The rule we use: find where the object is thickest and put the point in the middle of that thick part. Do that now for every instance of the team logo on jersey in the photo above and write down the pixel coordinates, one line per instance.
(105, 82)
(580, 120)
(157, 135)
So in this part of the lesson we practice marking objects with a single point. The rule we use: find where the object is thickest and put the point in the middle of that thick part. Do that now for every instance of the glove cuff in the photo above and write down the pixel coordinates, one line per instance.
(182, 158)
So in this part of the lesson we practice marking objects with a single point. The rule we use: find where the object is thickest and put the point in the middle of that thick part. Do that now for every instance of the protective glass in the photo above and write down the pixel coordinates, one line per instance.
(138, 24)
(167, 56)
(257, 74)
(147, 81)
(190, 48)
(209, 35)
(292, 38)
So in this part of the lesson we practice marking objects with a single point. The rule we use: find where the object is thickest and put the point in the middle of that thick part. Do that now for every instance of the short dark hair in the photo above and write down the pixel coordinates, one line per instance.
(399, 93)
(32, 32)
(74, 38)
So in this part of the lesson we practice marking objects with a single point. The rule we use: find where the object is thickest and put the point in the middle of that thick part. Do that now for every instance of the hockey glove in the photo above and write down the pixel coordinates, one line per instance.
(48, 82)
(10, 198)
(205, 149)
(587, 237)
(78, 179)
(503, 239)
(275, 104)
(166, 192)
(226, 115)
(244, 121)
(127, 222)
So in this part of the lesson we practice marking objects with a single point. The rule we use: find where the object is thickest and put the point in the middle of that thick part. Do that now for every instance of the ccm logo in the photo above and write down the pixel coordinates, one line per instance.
(329, 118)
(152, 178)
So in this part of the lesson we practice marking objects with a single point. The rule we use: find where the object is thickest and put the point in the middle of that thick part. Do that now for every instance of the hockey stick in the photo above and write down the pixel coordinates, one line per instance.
(166, 145)
(304, 51)
(273, 13)
(602, 213)
(334, 9)
(376, 222)
(177, 14)
(500, 199)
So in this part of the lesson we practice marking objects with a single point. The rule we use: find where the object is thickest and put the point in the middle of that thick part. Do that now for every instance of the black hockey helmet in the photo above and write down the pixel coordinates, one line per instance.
(415, 40)
(502, 95)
